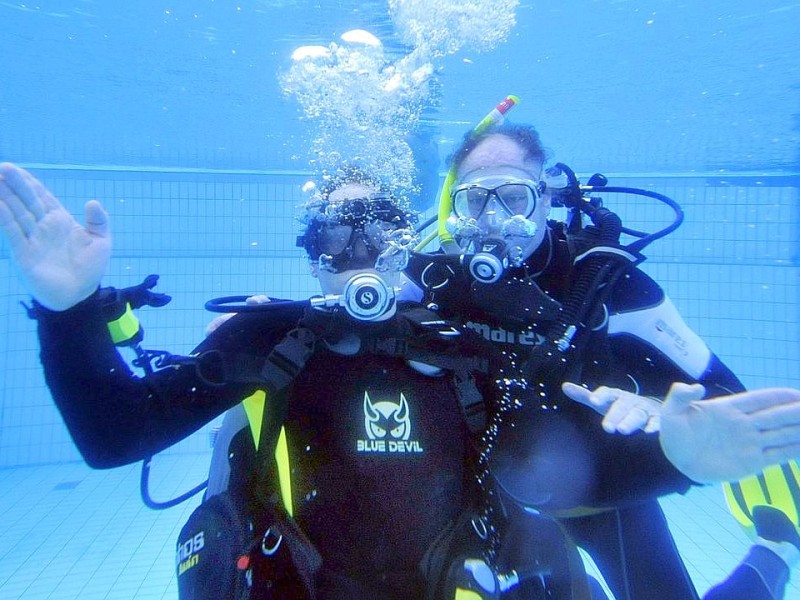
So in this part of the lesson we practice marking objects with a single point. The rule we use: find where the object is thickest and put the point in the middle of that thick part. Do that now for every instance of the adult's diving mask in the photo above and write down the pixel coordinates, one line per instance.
(491, 218)
(514, 196)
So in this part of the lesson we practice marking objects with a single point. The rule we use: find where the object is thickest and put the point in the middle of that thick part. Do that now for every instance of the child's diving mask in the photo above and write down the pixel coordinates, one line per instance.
(360, 233)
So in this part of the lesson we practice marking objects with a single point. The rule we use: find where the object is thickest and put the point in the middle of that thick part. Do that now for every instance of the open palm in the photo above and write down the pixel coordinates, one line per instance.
(59, 261)
(730, 437)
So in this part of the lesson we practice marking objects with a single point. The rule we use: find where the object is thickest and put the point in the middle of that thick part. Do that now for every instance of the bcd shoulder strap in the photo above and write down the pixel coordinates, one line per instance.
(599, 261)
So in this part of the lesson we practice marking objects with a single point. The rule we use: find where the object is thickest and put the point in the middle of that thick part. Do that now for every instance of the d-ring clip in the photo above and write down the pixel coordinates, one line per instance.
(271, 542)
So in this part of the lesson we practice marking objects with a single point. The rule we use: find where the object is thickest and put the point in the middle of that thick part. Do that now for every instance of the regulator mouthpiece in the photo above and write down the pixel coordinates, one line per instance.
(488, 264)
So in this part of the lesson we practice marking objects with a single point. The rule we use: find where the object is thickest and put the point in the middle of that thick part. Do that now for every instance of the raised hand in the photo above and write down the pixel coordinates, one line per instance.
(59, 261)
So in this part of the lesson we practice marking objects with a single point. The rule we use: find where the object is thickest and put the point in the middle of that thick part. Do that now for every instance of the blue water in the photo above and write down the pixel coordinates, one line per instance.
(174, 118)
(648, 85)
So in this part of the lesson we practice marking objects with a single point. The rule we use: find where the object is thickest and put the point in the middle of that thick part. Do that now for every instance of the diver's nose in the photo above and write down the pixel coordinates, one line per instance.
(360, 248)
(494, 215)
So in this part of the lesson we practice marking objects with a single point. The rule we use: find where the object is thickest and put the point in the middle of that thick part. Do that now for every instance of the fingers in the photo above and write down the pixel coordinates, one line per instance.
(630, 412)
(600, 399)
(96, 219)
(653, 424)
(626, 416)
(786, 415)
(10, 227)
(784, 437)
(680, 395)
(24, 220)
(781, 454)
(578, 394)
(767, 398)
(26, 189)
(26, 199)
(29, 201)
(624, 412)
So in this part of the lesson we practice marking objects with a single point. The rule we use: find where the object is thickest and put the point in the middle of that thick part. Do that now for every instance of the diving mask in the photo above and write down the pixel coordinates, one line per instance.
(513, 196)
(491, 217)
(360, 233)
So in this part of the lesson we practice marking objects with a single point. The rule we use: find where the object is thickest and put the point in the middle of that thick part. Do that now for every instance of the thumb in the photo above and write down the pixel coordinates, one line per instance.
(680, 396)
(96, 219)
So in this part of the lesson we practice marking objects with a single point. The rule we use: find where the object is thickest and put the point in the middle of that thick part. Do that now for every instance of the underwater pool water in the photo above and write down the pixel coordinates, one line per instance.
(197, 130)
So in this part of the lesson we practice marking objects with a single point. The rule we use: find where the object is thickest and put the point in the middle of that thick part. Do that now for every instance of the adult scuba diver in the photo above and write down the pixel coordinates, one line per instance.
(567, 303)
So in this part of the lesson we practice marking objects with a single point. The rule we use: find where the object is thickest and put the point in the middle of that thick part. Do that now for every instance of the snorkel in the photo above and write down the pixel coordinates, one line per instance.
(495, 117)
(486, 249)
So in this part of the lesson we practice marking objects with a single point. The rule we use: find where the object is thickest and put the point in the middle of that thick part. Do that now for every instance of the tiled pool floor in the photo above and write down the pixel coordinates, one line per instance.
(70, 532)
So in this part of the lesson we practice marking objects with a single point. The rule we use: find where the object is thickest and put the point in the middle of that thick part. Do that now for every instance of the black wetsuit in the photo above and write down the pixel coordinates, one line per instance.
(378, 450)
(552, 453)
(380, 454)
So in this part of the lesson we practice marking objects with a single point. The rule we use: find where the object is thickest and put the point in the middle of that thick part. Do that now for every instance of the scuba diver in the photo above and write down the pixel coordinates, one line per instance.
(577, 320)
(354, 477)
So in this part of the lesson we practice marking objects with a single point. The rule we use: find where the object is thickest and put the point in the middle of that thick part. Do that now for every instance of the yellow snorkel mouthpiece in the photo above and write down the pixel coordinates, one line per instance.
(495, 117)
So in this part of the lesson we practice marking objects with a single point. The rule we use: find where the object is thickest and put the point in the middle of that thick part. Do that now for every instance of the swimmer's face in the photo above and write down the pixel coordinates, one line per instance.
(499, 156)
(334, 282)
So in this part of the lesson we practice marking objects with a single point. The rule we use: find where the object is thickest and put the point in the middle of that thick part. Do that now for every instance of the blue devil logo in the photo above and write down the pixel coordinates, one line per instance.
(387, 420)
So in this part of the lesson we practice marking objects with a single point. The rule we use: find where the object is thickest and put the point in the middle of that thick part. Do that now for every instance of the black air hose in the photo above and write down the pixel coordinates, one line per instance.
(593, 272)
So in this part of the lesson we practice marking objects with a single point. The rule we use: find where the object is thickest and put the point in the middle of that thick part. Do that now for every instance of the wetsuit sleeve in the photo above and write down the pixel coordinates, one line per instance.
(114, 416)
(650, 347)
(562, 460)
(656, 347)
(634, 468)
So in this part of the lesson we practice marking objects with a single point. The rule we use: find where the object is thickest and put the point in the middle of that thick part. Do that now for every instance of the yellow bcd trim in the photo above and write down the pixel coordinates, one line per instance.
(284, 472)
(125, 327)
(462, 594)
(254, 407)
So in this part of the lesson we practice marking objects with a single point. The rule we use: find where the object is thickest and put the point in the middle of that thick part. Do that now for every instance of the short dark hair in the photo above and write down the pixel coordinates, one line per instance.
(525, 135)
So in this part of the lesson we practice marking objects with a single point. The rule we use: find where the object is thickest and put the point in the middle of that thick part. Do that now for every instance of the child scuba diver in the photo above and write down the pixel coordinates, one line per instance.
(345, 236)
(355, 475)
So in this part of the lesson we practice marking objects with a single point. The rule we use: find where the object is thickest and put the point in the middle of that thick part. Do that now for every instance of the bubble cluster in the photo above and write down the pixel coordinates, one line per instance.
(465, 229)
(509, 386)
(364, 104)
(444, 28)
(399, 244)
(518, 226)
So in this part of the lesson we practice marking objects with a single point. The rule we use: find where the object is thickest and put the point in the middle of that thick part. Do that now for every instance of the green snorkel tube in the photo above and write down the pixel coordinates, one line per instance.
(446, 241)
